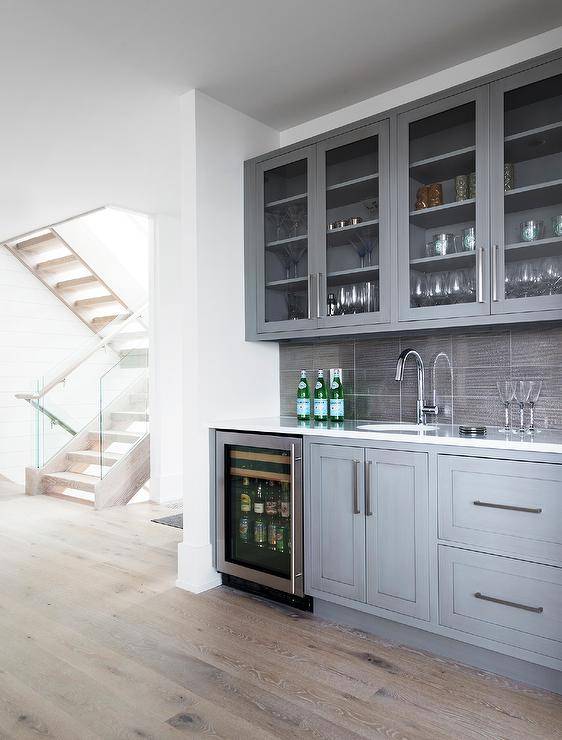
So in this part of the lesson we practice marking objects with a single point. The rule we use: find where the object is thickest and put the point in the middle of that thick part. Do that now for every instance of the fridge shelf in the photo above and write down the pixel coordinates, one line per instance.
(261, 474)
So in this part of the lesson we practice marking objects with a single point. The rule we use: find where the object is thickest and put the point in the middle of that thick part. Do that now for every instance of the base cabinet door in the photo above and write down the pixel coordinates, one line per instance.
(337, 521)
(397, 531)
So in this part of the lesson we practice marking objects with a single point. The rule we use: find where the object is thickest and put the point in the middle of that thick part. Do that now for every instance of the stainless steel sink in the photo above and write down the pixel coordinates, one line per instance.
(397, 427)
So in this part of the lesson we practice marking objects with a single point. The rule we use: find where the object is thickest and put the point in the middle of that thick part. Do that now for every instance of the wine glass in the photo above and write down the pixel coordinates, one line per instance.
(371, 205)
(534, 393)
(506, 389)
(296, 214)
(522, 393)
(276, 219)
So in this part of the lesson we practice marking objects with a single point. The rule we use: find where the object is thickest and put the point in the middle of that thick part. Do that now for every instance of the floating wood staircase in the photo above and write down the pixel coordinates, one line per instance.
(65, 274)
(106, 463)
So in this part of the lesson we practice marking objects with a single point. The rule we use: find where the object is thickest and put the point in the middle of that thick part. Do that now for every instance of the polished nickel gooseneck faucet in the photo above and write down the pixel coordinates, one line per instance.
(421, 409)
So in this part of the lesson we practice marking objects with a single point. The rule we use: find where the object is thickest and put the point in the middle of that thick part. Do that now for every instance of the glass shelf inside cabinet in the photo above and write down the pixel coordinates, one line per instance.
(286, 242)
(352, 227)
(442, 208)
(258, 508)
(533, 189)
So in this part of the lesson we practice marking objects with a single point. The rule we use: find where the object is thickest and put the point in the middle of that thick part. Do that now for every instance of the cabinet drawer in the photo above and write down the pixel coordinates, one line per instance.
(505, 600)
(515, 507)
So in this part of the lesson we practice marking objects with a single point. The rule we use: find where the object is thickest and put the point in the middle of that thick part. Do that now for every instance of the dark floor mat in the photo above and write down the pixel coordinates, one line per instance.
(176, 520)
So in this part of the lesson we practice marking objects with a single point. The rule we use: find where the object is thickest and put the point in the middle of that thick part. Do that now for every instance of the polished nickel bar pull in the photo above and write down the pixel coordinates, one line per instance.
(310, 277)
(514, 604)
(508, 507)
(318, 284)
(368, 466)
(495, 273)
(356, 509)
(480, 271)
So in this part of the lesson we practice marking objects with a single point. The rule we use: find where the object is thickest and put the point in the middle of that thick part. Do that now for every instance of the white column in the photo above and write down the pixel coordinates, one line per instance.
(224, 376)
(165, 357)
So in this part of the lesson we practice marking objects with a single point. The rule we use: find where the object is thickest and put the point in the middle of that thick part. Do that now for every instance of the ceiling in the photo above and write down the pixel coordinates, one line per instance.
(281, 62)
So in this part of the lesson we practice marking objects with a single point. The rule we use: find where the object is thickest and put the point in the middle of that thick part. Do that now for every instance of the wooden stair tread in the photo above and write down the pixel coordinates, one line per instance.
(95, 301)
(36, 243)
(117, 435)
(99, 320)
(76, 282)
(56, 262)
(93, 457)
(81, 481)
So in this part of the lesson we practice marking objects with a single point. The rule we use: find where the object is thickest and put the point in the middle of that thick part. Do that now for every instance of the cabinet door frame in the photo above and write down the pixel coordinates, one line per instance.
(500, 304)
(480, 96)
(315, 578)
(419, 607)
(381, 129)
(263, 326)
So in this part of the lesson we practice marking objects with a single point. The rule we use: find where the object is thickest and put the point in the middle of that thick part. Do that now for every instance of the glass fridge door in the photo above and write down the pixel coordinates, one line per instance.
(258, 523)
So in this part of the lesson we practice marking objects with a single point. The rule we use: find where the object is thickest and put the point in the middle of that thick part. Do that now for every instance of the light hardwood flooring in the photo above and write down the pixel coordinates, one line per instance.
(95, 642)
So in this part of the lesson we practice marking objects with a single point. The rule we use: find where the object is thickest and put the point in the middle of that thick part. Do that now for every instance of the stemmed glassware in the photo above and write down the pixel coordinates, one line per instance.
(506, 389)
(534, 393)
(296, 215)
(522, 393)
(360, 247)
(277, 220)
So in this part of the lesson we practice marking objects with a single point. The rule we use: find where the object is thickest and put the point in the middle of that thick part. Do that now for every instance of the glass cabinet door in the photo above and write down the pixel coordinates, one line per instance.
(527, 191)
(443, 208)
(354, 231)
(286, 188)
(258, 509)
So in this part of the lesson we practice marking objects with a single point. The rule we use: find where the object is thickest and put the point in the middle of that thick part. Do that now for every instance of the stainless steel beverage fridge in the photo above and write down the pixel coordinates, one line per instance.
(259, 509)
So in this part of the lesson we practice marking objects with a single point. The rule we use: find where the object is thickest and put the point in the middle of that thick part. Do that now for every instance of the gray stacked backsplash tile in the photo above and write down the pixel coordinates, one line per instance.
(461, 373)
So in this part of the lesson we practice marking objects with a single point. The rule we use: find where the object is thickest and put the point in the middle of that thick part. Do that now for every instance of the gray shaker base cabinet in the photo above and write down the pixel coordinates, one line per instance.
(465, 546)
(369, 541)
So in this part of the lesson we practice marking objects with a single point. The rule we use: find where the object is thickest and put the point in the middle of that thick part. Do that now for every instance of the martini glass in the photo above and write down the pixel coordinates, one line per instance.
(534, 393)
(522, 393)
(506, 389)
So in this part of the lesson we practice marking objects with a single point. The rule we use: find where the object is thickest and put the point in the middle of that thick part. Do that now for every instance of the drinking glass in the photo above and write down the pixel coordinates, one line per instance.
(531, 230)
(522, 393)
(296, 214)
(506, 389)
(534, 393)
(358, 244)
(277, 220)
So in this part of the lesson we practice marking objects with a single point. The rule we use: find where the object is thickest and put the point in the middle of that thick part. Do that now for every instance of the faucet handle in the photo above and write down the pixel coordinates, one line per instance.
(430, 410)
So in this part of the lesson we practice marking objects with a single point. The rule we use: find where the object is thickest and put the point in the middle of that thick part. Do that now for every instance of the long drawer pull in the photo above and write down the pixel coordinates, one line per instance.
(535, 609)
(508, 507)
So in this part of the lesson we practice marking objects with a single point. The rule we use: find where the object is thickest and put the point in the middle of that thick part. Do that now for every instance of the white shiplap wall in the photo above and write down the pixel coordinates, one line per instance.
(37, 332)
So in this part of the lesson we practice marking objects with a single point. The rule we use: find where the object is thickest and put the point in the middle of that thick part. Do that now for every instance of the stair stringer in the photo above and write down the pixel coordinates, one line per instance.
(126, 477)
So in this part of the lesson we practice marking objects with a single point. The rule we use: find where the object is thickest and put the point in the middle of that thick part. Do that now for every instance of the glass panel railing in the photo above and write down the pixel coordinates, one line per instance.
(67, 398)
(123, 408)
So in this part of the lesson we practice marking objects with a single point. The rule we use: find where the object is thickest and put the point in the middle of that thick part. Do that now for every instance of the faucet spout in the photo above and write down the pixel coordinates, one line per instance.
(421, 408)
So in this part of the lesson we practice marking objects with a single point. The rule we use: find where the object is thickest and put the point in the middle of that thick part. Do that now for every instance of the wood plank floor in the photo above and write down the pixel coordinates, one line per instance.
(95, 642)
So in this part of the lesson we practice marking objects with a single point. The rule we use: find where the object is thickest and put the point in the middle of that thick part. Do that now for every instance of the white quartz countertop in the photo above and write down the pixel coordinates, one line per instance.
(441, 434)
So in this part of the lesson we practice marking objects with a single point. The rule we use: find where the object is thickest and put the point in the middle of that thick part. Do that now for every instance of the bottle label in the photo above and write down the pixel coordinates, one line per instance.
(285, 509)
(320, 407)
(336, 407)
(245, 502)
(280, 539)
(271, 507)
(258, 507)
(318, 385)
(303, 406)
(244, 528)
(272, 535)
(302, 385)
(335, 385)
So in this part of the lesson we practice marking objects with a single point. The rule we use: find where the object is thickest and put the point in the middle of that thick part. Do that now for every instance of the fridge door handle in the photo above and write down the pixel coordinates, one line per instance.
(294, 575)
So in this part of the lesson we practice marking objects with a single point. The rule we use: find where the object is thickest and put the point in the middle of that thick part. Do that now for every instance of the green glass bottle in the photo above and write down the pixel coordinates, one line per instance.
(337, 411)
(320, 398)
(303, 398)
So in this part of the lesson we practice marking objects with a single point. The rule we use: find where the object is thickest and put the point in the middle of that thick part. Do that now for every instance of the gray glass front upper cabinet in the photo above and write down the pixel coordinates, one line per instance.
(354, 233)
(443, 208)
(526, 182)
(285, 281)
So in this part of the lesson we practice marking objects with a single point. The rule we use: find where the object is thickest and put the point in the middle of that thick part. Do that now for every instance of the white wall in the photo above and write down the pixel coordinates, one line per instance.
(115, 244)
(225, 377)
(37, 332)
(480, 66)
